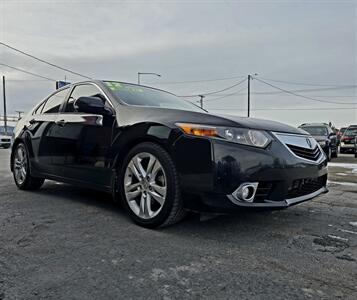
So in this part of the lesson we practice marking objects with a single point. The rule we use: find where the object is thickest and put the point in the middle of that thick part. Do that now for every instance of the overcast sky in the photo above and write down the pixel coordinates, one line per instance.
(313, 42)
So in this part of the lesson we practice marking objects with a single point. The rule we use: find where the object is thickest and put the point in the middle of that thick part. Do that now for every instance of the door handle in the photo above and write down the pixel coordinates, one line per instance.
(60, 123)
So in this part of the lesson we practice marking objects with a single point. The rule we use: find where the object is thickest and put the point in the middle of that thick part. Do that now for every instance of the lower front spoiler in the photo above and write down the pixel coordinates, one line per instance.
(218, 203)
(279, 204)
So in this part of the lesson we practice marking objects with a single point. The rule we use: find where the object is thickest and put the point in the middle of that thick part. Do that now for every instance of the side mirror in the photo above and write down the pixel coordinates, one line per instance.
(91, 105)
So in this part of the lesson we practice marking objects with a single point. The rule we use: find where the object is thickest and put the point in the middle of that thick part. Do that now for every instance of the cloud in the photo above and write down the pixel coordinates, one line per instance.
(306, 42)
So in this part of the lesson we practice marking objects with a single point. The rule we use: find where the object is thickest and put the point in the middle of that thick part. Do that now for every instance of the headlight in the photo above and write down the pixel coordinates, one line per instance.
(250, 137)
(322, 143)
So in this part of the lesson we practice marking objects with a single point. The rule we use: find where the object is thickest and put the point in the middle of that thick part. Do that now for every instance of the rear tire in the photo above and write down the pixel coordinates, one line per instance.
(22, 171)
(149, 187)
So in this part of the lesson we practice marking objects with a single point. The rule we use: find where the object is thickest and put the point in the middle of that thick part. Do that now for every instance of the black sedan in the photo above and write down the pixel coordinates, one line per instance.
(161, 156)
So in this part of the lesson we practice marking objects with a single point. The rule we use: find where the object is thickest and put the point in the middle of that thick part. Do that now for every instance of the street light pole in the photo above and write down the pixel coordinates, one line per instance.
(146, 73)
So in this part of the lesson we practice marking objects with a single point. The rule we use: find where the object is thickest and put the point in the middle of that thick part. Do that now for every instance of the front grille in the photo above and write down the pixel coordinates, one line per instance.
(348, 141)
(5, 140)
(263, 191)
(310, 154)
(305, 186)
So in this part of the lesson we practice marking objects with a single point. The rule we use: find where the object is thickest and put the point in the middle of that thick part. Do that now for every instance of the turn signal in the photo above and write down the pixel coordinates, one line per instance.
(199, 130)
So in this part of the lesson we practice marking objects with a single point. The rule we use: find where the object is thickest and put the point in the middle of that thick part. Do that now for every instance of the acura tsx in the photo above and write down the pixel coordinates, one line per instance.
(161, 156)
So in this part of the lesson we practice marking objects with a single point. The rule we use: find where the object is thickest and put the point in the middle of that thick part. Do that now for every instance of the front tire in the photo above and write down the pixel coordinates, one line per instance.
(149, 186)
(21, 170)
(335, 153)
(329, 154)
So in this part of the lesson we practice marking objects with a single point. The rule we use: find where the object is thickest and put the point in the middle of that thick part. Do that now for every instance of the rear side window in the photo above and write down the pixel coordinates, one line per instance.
(54, 103)
(39, 108)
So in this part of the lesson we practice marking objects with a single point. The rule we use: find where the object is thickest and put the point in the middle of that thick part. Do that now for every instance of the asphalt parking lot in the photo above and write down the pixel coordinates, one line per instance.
(64, 242)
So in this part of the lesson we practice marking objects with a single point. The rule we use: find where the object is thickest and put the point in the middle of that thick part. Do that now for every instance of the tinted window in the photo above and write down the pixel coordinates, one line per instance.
(143, 96)
(315, 130)
(351, 132)
(53, 103)
(83, 90)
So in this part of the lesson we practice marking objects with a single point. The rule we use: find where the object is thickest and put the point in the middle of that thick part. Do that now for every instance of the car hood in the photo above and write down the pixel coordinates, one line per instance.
(262, 124)
(128, 115)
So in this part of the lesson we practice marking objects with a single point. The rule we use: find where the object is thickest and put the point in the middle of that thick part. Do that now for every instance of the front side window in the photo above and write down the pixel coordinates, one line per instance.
(83, 90)
(144, 96)
(54, 103)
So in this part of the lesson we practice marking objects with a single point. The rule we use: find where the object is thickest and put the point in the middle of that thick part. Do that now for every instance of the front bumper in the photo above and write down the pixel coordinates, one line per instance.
(5, 144)
(347, 147)
(218, 168)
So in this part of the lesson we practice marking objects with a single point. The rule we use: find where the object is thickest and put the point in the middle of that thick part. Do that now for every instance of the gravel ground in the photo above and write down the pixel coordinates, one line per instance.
(64, 242)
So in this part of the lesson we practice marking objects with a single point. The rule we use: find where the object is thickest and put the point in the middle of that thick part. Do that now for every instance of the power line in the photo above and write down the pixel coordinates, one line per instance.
(301, 96)
(301, 83)
(197, 81)
(227, 95)
(310, 90)
(215, 92)
(44, 61)
(27, 72)
(277, 108)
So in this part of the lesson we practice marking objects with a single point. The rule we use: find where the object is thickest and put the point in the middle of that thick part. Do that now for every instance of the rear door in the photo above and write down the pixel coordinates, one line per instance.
(82, 140)
(41, 125)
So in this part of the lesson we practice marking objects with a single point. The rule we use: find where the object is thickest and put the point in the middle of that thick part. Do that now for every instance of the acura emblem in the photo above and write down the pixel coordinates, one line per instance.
(309, 143)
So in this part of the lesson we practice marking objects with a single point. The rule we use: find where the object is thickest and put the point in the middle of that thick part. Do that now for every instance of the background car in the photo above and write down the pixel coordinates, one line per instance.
(340, 133)
(325, 136)
(161, 155)
(5, 137)
(347, 144)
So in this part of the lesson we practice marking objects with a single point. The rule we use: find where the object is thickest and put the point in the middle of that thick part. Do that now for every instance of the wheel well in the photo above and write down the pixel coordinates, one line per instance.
(14, 145)
(118, 160)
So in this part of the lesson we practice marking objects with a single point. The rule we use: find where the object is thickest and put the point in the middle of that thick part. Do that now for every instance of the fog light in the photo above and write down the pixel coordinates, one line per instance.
(245, 192)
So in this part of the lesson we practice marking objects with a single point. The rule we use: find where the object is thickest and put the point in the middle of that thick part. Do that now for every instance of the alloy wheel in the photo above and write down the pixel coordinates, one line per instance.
(20, 165)
(145, 185)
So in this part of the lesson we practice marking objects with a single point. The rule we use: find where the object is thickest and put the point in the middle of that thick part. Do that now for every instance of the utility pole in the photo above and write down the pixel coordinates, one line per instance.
(19, 112)
(201, 100)
(4, 97)
(249, 77)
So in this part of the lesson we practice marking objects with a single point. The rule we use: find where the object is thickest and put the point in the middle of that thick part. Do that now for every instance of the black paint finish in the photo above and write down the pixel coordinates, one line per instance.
(88, 150)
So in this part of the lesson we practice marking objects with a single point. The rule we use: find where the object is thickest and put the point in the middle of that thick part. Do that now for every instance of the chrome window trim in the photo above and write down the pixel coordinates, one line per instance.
(97, 86)
(320, 159)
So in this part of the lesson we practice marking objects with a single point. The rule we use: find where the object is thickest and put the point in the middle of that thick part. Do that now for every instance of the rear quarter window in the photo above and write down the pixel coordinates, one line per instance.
(54, 102)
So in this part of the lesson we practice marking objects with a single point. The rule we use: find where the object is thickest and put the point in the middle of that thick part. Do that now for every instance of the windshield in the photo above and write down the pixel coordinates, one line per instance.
(315, 130)
(143, 96)
(351, 131)
(10, 129)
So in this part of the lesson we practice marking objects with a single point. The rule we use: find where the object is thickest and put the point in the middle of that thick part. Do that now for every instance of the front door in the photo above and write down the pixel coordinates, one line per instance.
(83, 140)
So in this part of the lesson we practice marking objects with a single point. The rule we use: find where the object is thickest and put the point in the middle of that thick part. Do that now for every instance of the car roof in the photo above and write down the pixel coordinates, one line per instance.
(102, 82)
(314, 124)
